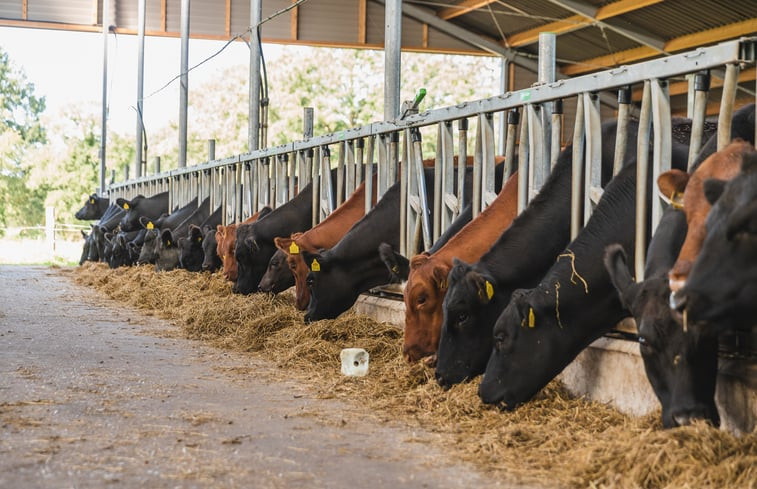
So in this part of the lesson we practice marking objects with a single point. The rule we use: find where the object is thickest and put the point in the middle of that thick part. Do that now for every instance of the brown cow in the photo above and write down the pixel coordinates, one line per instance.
(325, 235)
(687, 191)
(427, 281)
(226, 239)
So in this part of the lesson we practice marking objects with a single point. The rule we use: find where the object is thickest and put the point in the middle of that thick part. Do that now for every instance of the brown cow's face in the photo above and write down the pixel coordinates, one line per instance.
(300, 271)
(424, 295)
(226, 236)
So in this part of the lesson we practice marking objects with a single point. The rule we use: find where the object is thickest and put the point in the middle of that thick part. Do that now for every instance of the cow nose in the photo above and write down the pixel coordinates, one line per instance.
(686, 417)
(308, 318)
(441, 380)
(678, 300)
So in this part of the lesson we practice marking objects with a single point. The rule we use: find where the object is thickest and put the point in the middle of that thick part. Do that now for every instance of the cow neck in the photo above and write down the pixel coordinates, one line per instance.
(292, 217)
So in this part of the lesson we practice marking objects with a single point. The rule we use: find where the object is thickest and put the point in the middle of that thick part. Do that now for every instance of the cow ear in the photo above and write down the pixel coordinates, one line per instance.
(713, 189)
(195, 233)
(314, 261)
(483, 286)
(620, 276)
(418, 260)
(108, 237)
(84, 234)
(398, 265)
(167, 238)
(264, 212)
(440, 273)
(671, 185)
(283, 243)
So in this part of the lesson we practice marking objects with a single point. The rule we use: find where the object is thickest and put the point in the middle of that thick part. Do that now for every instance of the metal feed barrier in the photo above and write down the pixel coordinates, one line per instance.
(244, 183)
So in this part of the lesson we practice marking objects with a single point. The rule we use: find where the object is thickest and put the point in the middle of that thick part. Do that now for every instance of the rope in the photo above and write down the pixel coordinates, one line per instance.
(574, 273)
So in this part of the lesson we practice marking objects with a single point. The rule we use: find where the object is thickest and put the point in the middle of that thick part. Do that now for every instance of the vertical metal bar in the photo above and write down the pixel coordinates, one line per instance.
(104, 117)
(524, 168)
(730, 83)
(439, 174)
(368, 170)
(211, 149)
(340, 177)
(422, 194)
(642, 170)
(462, 158)
(487, 170)
(621, 134)
(502, 128)
(253, 129)
(382, 165)
(537, 160)
(405, 211)
(327, 189)
(546, 74)
(513, 117)
(576, 182)
(316, 179)
(663, 142)
(392, 45)
(349, 148)
(291, 174)
(556, 145)
(450, 203)
(478, 158)
(699, 112)
(140, 84)
(307, 122)
(184, 83)
(394, 158)
(593, 174)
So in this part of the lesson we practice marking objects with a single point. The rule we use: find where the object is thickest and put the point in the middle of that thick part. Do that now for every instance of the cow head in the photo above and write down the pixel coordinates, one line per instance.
(226, 237)
(97, 247)
(107, 250)
(330, 287)
(130, 220)
(93, 208)
(720, 290)
(398, 265)
(85, 247)
(211, 261)
(681, 365)
(168, 252)
(297, 268)
(119, 256)
(190, 249)
(424, 295)
(277, 277)
(149, 251)
(470, 306)
(252, 255)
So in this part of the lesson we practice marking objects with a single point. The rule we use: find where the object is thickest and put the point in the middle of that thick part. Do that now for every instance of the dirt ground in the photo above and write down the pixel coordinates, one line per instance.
(96, 395)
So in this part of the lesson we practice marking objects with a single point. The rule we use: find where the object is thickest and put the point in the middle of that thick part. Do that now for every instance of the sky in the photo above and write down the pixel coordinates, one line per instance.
(66, 68)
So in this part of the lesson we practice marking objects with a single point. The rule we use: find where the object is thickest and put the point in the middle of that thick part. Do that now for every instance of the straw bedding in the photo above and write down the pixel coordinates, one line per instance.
(554, 440)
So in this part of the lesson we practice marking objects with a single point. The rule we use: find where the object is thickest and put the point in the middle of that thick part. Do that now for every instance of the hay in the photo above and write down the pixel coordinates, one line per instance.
(553, 440)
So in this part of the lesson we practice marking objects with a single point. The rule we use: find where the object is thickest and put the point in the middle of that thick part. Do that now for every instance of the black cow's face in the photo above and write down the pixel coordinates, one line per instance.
(190, 250)
(722, 285)
(97, 246)
(120, 252)
(107, 247)
(85, 247)
(149, 251)
(526, 349)
(211, 261)
(278, 277)
(470, 309)
(252, 257)
(130, 220)
(168, 252)
(681, 364)
(90, 210)
(332, 288)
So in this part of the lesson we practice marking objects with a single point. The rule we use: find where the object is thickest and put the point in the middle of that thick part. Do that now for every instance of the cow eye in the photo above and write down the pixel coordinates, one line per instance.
(462, 317)
(293, 266)
(500, 341)
(421, 300)
(644, 343)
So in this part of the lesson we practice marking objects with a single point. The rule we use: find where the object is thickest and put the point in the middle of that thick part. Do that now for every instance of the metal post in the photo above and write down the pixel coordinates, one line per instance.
(156, 165)
(576, 179)
(621, 134)
(104, 120)
(593, 173)
(307, 122)
(316, 179)
(642, 170)
(406, 213)
(439, 174)
(727, 100)
(211, 149)
(351, 182)
(184, 83)
(140, 84)
(340, 184)
(503, 82)
(547, 57)
(462, 158)
(394, 158)
(449, 202)
(290, 173)
(699, 112)
(663, 142)
(555, 146)
(368, 170)
(478, 158)
(422, 195)
(538, 161)
(253, 135)
(523, 165)
(513, 119)
(327, 190)
(392, 46)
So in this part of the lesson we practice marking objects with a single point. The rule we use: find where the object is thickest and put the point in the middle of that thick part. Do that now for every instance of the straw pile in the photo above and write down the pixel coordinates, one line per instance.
(553, 440)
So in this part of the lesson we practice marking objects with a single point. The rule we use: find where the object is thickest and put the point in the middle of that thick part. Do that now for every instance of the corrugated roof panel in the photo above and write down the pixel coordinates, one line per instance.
(589, 43)
(329, 21)
(68, 12)
(152, 15)
(374, 25)
(440, 40)
(127, 14)
(10, 9)
(240, 17)
(522, 16)
(412, 32)
(207, 18)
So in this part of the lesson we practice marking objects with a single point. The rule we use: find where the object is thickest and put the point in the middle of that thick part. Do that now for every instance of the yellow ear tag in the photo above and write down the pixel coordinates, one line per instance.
(531, 317)
(315, 266)
(395, 269)
(126, 206)
(199, 239)
(676, 200)
(168, 243)
(91, 201)
(489, 290)
(443, 284)
(293, 248)
(150, 225)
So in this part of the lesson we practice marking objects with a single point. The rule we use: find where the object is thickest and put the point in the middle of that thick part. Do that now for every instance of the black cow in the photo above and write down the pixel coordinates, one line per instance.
(277, 277)
(210, 260)
(121, 253)
(169, 249)
(191, 248)
(149, 207)
(479, 292)
(149, 252)
(85, 248)
(107, 224)
(93, 208)
(543, 329)
(254, 241)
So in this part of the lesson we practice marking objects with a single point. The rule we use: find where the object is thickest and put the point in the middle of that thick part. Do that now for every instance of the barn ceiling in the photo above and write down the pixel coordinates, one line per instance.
(591, 34)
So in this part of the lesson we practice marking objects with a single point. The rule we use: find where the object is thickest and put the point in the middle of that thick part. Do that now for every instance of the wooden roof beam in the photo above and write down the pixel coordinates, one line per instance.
(576, 22)
(709, 36)
(462, 8)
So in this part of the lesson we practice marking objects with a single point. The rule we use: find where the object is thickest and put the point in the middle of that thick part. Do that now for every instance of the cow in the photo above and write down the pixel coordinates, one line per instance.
(287, 267)
(720, 290)
(107, 224)
(685, 390)
(94, 208)
(191, 251)
(210, 259)
(121, 253)
(544, 328)
(254, 241)
(85, 248)
(149, 252)
(519, 258)
(427, 278)
(169, 248)
(723, 165)
(226, 240)
(149, 207)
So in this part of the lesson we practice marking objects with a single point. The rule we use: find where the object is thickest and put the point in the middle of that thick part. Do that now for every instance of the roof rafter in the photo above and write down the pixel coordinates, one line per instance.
(462, 8)
(578, 21)
(710, 36)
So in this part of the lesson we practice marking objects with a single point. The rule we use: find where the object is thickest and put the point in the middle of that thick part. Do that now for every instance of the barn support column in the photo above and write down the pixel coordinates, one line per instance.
(502, 124)
(184, 82)
(140, 87)
(392, 46)
(104, 122)
(256, 13)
